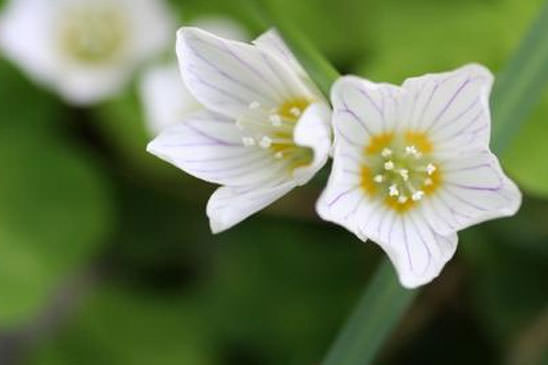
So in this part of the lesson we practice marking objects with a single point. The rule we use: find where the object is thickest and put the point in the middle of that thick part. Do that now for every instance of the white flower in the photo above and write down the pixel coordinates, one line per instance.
(265, 131)
(412, 166)
(86, 50)
(166, 99)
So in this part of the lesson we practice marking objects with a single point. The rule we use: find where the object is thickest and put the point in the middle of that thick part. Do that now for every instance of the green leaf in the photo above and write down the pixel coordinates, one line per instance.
(118, 326)
(55, 205)
(383, 304)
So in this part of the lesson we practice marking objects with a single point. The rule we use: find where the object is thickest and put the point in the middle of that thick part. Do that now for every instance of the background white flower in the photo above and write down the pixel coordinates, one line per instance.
(412, 166)
(266, 128)
(84, 49)
(165, 97)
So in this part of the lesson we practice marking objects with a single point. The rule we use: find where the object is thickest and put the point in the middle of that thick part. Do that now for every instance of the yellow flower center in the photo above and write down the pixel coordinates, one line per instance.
(399, 168)
(92, 34)
(273, 129)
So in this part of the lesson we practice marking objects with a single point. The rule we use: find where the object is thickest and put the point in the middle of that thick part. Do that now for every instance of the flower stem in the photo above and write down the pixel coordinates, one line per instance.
(383, 303)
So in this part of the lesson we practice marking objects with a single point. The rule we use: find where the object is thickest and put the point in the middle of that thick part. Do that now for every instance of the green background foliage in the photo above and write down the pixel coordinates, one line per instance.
(106, 256)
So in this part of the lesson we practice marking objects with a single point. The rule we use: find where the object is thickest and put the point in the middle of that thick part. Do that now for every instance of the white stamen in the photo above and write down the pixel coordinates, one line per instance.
(430, 169)
(417, 195)
(266, 141)
(428, 181)
(295, 111)
(402, 199)
(248, 141)
(404, 173)
(387, 152)
(378, 178)
(393, 190)
(276, 120)
(254, 105)
(411, 150)
(389, 165)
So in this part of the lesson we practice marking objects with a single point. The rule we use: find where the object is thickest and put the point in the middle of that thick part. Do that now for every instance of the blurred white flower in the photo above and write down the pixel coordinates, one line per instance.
(164, 95)
(86, 50)
(265, 130)
(412, 166)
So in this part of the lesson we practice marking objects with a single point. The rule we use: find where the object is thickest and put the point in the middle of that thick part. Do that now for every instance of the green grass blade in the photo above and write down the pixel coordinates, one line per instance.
(383, 303)
(519, 87)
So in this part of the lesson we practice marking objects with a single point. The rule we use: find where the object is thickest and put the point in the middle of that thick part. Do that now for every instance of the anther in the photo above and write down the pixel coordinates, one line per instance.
(295, 111)
(411, 150)
(428, 181)
(387, 152)
(378, 178)
(276, 120)
(254, 105)
(417, 195)
(265, 142)
(389, 165)
(402, 199)
(278, 155)
(393, 190)
(404, 173)
(248, 141)
(430, 169)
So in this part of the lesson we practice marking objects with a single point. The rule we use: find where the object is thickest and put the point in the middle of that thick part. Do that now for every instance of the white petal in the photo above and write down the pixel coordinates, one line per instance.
(25, 37)
(313, 130)
(87, 86)
(271, 41)
(152, 26)
(230, 205)
(473, 189)
(343, 201)
(417, 252)
(165, 98)
(451, 107)
(361, 103)
(227, 76)
(209, 146)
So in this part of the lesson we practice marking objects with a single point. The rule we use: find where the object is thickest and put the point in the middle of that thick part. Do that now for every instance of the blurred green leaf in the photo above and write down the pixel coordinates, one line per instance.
(525, 158)
(55, 206)
(120, 327)
(279, 289)
(54, 215)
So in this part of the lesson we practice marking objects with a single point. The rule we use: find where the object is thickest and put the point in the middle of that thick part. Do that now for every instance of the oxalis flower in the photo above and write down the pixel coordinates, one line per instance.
(265, 128)
(86, 50)
(412, 166)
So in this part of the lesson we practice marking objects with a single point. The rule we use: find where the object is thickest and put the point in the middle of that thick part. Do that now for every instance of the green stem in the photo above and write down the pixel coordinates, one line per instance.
(380, 309)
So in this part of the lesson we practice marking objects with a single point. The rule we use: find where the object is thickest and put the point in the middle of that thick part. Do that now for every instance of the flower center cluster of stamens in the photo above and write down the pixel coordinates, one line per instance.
(92, 34)
(400, 169)
(272, 129)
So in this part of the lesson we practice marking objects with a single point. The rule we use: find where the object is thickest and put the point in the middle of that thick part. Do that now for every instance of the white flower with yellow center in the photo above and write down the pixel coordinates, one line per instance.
(86, 50)
(166, 99)
(412, 166)
(265, 128)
